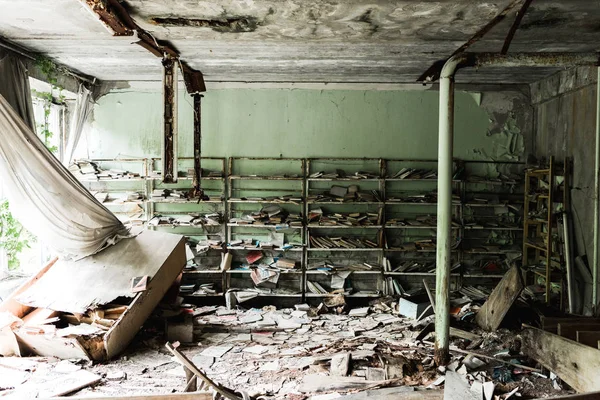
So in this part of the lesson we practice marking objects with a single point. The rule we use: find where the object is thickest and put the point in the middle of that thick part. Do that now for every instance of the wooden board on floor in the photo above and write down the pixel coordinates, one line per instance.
(492, 313)
(38, 316)
(76, 286)
(569, 330)
(13, 306)
(171, 396)
(589, 338)
(69, 383)
(50, 346)
(576, 364)
(550, 324)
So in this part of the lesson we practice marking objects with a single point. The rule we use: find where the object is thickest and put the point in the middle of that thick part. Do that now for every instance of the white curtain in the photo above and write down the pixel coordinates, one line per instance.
(46, 198)
(83, 108)
(14, 86)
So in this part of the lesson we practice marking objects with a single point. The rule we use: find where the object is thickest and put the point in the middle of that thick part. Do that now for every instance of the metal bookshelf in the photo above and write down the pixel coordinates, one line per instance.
(344, 209)
(265, 212)
(200, 220)
(391, 203)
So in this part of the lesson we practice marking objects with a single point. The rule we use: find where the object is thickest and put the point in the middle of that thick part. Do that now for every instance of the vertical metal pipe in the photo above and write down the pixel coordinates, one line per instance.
(444, 214)
(596, 201)
(169, 140)
(197, 141)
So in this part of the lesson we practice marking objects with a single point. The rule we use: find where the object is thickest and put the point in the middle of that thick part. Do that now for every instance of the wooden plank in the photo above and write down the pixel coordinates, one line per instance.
(9, 346)
(589, 338)
(50, 346)
(550, 324)
(68, 384)
(171, 396)
(576, 364)
(464, 334)
(569, 330)
(38, 316)
(131, 321)
(103, 277)
(14, 307)
(492, 313)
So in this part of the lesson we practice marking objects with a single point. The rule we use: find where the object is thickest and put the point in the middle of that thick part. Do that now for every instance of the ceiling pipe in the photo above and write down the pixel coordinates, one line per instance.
(595, 267)
(445, 170)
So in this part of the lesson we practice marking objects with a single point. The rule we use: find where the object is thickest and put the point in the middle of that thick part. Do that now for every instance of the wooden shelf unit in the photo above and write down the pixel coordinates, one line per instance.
(546, 195)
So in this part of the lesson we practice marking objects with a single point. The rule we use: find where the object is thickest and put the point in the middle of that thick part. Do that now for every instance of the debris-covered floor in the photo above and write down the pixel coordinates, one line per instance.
(297, 354)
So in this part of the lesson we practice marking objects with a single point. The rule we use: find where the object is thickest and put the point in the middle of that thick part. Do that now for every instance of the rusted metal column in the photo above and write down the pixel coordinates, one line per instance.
(169, 142)
(446, 136)
(197, 142)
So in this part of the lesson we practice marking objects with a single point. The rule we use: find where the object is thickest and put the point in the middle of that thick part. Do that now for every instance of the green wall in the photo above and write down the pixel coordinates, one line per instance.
(298, 123)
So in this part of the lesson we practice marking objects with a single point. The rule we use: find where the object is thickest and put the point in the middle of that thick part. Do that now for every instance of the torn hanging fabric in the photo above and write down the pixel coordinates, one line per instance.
(83, 109)
(14, 86)
(46, 198)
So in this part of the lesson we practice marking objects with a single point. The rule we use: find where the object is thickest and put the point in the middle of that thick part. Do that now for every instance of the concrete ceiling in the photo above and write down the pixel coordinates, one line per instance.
(300, 40)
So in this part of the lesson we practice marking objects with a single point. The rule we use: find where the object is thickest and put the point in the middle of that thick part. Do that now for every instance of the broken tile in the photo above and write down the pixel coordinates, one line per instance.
(375, 374)
(339, 364)
(302, 307)
(258, 349)
(250, 318)
(116, 376)
(203, 362)
(359, 312)
(488, 390)
(240, 337)
(216, 351)
(269, 366)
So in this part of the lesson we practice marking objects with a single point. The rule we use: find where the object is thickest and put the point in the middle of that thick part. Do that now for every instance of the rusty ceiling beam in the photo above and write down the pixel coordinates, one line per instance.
(112, 15)
(433, 73)
(515, 26)
(117, 19)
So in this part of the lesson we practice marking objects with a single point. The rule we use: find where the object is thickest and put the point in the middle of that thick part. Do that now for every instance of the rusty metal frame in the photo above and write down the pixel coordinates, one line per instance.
(169, 139)
(115, 17)
(433, 73)
(112, 15)
(515, 26)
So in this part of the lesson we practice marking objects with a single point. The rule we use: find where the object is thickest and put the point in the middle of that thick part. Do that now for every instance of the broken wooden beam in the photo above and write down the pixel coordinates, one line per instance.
(589, 338)
(550, 324)
(576, 364)
(223, 391)
(569, 330)
(503, 296)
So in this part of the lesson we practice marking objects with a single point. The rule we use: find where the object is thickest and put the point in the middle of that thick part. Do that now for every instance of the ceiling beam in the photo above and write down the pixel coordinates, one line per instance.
(119, 22)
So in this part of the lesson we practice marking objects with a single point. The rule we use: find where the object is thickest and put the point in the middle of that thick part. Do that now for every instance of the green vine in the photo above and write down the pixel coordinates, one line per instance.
(13, 237)
(50, 70)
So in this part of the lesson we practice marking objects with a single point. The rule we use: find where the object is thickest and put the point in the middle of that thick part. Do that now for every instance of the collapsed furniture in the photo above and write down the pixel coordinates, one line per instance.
(86, 309)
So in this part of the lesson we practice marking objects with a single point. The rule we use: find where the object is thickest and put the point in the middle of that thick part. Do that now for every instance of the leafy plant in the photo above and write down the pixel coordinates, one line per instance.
(50, 69)
(13, 237)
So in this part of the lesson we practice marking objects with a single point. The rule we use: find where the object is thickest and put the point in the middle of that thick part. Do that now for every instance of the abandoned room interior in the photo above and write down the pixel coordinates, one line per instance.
(297, 200)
